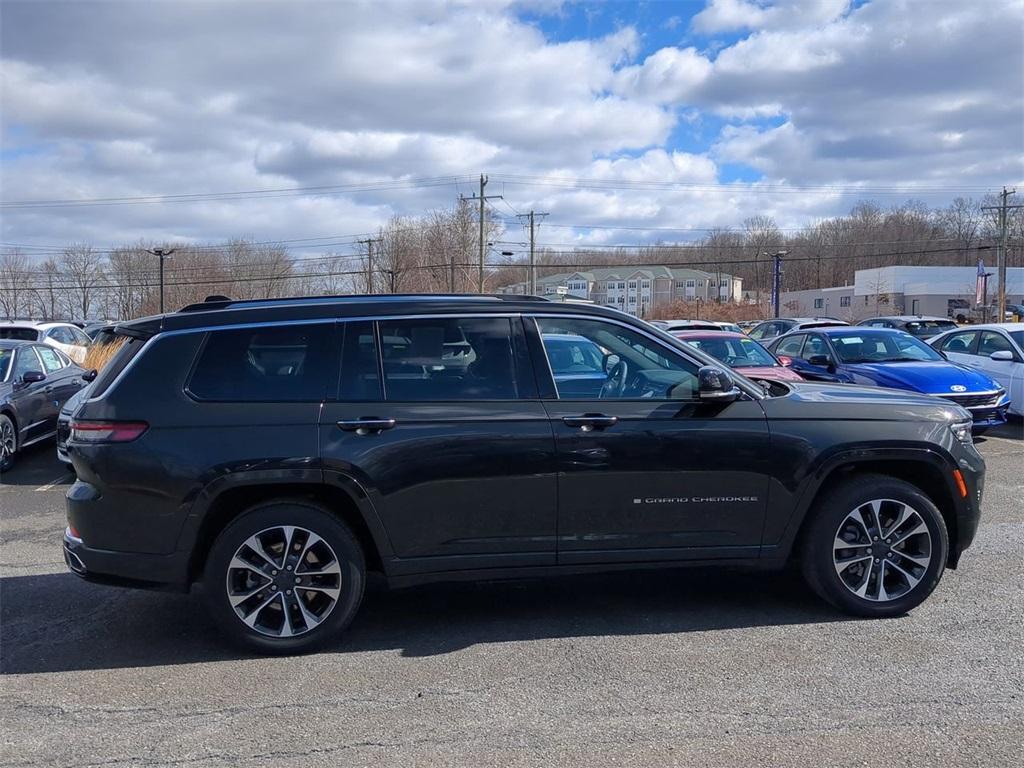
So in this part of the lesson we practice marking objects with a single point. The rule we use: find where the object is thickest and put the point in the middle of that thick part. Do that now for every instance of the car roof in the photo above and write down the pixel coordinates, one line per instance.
(909, 318)
(856, 330)
(992, 327)
(227, 312)
(14, 343)
(703, 334)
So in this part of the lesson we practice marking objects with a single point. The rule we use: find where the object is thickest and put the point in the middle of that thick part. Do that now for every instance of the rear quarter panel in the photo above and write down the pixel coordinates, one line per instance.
(151, 485)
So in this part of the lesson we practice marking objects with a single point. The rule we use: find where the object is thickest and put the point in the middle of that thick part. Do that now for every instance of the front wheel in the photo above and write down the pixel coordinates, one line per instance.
(285, 577)
(8, 442)
(875, 547)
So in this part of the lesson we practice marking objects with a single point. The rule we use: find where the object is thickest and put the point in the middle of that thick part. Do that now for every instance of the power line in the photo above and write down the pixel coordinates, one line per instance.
(435, 181)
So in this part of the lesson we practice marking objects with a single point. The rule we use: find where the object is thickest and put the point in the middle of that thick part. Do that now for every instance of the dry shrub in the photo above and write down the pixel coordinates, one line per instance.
(726, 311)
(98, 355)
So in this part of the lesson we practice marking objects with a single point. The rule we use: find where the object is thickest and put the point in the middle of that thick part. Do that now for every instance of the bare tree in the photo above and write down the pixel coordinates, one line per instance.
(14, 284)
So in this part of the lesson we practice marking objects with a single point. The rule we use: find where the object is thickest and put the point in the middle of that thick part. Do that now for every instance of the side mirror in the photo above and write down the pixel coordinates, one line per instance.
(822, 361)
(33, 377)
(610, 361)
(90, 375)
(1002, 354)
(715, 385)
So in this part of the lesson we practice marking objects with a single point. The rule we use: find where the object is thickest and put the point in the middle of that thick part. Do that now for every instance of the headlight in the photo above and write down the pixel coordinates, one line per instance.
(962, 430)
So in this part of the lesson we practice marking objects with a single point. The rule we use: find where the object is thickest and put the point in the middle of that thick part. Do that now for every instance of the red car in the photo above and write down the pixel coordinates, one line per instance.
(742, 353)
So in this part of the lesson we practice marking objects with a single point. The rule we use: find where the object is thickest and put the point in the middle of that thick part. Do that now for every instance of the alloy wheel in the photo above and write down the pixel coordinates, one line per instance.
(7, 444)
(284, 581)
(882, 550)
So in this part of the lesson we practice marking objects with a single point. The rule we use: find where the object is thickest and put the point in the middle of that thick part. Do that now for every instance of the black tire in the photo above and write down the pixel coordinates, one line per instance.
(817, 546)
(306, 515)
(8, 431)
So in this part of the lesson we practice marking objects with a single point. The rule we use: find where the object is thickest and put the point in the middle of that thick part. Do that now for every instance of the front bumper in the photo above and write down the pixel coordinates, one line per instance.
(125, 569)
(967, 508)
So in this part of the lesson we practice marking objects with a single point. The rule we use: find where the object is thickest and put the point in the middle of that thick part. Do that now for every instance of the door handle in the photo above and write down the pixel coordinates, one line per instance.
(590, 421)
(366, 426)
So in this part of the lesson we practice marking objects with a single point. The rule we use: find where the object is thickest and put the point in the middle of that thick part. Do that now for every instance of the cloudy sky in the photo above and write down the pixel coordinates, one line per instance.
(626, 121)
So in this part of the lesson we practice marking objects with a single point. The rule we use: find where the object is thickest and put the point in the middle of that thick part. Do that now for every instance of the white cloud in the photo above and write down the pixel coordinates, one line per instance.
(730, 15)
(269, 95)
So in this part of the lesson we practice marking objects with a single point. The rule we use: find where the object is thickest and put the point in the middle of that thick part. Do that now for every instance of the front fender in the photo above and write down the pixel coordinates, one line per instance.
(790, 505)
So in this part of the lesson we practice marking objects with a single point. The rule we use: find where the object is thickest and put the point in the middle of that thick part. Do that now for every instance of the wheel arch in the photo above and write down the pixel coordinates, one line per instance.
(925, 469)
(231, 502)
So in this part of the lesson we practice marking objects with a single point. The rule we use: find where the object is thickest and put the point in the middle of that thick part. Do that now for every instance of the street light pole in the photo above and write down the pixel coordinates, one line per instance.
(161, 254)
(777, 279)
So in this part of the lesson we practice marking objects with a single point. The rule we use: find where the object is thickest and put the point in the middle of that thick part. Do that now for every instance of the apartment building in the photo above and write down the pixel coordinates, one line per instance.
(637, 290)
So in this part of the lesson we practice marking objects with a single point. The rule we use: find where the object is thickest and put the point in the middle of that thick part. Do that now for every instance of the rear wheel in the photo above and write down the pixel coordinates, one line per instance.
(876, 547)
(285, 577)
(8, 442)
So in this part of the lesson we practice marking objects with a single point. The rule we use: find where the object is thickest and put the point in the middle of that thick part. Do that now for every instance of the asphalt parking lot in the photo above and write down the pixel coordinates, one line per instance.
(645, 669)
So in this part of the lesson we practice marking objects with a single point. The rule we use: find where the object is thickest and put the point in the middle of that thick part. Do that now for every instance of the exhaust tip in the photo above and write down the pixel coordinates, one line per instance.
(74, 562)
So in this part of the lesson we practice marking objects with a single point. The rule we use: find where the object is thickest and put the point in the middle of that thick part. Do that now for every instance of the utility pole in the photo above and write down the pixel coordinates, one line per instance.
(776, 279)
(483, 199)
(161, 254)
(531, 216)
(369, 263)
(1004, 227)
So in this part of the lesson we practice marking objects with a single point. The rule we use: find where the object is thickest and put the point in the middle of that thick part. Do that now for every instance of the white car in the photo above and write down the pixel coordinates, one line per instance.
(68, 338)
(996, 349)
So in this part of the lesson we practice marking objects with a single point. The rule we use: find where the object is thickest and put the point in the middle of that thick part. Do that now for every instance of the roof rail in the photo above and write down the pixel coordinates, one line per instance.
(212, 303)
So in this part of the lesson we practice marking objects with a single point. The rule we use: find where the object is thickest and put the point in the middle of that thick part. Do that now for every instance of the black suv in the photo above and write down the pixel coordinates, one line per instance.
(275, 451)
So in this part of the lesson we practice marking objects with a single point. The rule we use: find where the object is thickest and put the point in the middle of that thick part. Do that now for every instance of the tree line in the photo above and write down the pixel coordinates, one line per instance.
(439, 252)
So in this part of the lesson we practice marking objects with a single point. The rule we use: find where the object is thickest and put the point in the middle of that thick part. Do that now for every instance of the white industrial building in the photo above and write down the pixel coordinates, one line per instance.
(935, 291)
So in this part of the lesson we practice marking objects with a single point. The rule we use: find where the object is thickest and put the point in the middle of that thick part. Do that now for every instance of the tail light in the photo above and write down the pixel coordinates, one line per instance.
(107, 431)
(786, 361)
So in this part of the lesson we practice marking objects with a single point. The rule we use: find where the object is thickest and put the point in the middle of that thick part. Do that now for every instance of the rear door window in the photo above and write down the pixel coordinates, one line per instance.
(448, 359)
(360, 367)
(51, 360)
(993, 342)
(272, 364)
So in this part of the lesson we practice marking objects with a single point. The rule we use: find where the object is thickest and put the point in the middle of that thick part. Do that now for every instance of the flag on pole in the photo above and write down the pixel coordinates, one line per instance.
(979, 285)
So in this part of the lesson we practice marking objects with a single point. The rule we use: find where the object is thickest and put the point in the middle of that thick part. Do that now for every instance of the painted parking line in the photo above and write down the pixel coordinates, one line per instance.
(51, 485)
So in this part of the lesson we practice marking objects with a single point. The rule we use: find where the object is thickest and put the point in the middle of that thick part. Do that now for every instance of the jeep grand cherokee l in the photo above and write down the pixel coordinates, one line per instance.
(275, 451)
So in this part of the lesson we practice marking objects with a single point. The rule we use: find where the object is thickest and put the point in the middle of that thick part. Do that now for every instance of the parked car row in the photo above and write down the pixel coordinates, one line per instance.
(980, 366)
(35, 381)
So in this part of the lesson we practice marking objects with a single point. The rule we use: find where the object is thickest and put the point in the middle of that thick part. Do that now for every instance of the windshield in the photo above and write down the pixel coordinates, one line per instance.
(6, 356)
(736, 353)
(882, 348)
(20, 334)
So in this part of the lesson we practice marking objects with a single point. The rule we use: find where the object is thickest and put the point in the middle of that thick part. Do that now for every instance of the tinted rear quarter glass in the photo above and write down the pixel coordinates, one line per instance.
(106, 377)
(268, 364)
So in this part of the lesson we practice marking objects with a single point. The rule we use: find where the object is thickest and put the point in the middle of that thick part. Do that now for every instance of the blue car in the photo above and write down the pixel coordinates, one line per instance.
(577, 364)
(894, 359)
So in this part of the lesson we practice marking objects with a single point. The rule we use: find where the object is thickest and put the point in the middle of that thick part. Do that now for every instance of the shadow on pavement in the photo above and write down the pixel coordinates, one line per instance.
(37, 465)
(57, 622)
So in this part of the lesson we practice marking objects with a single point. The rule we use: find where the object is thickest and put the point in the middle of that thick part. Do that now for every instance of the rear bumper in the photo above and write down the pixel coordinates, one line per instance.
(126, 569)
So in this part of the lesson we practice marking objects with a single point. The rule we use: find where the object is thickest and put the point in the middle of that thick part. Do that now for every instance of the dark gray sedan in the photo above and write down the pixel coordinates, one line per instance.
(35, 381)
